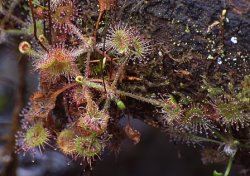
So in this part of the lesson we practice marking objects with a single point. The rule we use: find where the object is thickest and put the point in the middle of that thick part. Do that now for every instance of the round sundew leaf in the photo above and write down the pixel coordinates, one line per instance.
(87, 146)
(36, 136)
(65, 141)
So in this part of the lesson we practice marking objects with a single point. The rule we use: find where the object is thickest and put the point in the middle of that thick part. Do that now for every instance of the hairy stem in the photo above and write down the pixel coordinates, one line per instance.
(99, 87)
(118, 74)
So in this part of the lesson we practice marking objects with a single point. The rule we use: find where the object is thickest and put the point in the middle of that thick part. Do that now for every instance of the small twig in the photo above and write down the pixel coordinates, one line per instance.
(222, 31)
(97, 25)
(104, 54)
(50, 23)
(35, 29)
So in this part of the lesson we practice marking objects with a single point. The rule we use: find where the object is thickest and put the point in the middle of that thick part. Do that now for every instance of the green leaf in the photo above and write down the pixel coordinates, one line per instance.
(120, 105)
(215, 173)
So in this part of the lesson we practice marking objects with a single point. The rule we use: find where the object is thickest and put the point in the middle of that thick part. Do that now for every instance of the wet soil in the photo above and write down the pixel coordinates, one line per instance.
(191, 39)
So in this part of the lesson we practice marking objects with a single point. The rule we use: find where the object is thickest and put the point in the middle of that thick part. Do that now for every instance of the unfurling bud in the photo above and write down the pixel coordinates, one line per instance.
(24, 47)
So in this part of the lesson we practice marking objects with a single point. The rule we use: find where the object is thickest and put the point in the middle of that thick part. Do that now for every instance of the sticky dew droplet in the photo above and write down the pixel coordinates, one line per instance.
(219, 61)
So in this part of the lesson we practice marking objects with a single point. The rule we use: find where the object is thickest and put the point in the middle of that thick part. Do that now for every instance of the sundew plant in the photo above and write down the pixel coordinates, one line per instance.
(95, 69)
